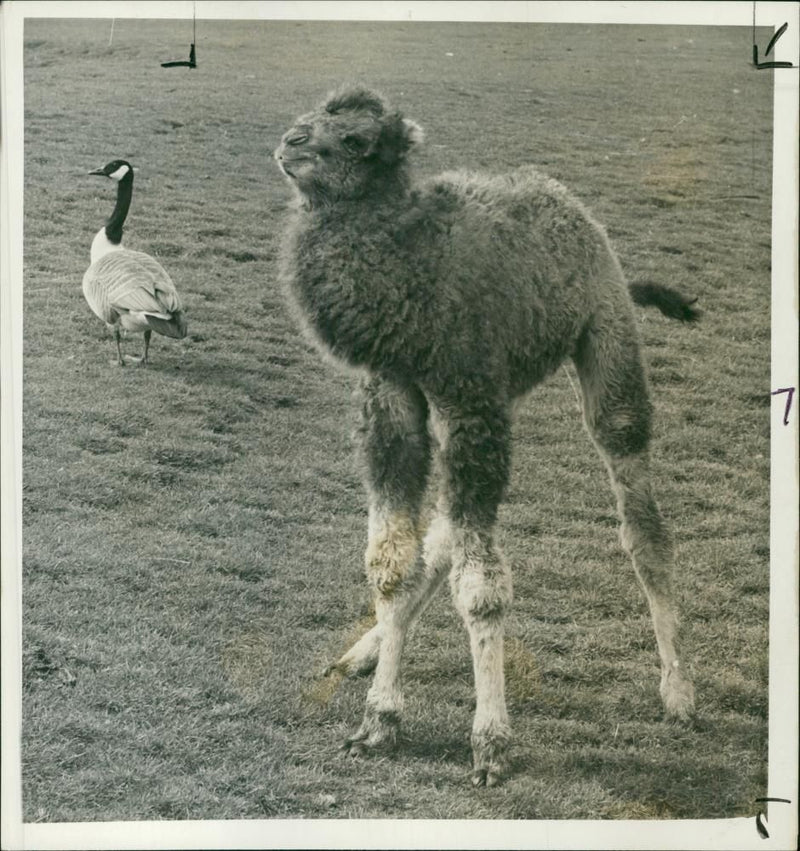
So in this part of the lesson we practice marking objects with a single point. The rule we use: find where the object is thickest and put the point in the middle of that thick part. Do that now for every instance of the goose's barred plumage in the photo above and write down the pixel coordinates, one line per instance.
(129, 289)
(132, 288)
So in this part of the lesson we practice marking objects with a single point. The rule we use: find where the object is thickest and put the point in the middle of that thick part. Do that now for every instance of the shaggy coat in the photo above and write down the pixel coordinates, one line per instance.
(454, 297)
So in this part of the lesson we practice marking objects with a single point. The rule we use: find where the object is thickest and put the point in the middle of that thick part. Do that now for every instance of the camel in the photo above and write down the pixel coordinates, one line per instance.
(452, 297)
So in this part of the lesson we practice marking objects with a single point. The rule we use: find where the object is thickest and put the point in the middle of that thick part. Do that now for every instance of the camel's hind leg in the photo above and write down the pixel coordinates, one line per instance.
(617, 412)
(395, 449)
(417, 592)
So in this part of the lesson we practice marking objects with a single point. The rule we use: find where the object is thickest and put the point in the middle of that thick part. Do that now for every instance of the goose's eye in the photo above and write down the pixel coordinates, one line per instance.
(355, 144)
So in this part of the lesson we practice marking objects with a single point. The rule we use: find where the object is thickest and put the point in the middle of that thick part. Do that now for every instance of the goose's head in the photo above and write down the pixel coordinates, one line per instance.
(116, 170)
(109, 237)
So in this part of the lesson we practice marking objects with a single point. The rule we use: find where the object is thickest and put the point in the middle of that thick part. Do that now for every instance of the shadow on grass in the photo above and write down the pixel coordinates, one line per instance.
(689, 786)
(660, 771)
(251, 390)
(431, 746)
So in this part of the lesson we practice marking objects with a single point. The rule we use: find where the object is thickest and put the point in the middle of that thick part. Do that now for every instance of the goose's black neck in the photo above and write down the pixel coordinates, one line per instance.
(117, 219)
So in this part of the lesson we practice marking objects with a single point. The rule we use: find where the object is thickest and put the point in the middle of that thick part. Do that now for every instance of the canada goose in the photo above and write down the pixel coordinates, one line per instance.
(129, 289)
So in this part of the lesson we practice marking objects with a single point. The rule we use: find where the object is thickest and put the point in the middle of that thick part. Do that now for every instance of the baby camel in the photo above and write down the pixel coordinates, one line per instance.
(454, 297)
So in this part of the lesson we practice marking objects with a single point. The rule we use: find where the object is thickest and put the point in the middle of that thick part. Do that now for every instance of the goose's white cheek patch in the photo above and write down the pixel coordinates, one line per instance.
(119, 173)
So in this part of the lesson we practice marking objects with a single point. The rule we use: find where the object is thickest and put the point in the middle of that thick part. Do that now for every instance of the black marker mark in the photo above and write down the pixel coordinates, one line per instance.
(760, 826)
(774, 38)
(790, 392)
(762, 65)
(192, 63)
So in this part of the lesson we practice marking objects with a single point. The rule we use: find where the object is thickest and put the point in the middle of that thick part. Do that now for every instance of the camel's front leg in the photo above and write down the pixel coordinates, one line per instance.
(395, 449)
(476, 460)
(481, 584)
(391, 559)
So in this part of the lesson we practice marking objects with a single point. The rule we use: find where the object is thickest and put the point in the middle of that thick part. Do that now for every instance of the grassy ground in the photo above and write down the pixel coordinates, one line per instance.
(193, 532)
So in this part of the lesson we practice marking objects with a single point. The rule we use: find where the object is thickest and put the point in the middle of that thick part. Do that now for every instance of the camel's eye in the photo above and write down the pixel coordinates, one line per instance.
(355, 144)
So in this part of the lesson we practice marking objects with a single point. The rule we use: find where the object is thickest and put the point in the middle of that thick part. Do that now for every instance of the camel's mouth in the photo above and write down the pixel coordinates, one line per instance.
(292, 165)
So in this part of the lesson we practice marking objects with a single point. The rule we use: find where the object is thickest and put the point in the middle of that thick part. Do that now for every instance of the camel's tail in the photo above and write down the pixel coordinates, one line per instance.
(670, 302)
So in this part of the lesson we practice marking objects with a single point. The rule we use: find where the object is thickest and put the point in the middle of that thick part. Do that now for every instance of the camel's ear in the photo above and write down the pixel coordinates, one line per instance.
(397, 136)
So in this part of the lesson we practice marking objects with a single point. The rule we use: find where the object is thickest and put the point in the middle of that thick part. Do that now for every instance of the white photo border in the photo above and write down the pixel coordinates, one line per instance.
(723, 834)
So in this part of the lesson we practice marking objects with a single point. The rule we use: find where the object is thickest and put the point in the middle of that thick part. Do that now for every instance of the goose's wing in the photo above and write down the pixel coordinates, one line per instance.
(129, 282)
(163, 288)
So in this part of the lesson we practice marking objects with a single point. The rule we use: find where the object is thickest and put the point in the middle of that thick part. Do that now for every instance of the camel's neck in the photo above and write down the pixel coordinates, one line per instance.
(346, 298)
(382, 188)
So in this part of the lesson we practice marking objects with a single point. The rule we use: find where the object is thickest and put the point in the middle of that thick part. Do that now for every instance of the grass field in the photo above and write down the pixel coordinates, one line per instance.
(193, 532)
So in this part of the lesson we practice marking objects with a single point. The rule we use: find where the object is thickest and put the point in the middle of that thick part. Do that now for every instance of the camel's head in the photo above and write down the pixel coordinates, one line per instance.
(352, 144)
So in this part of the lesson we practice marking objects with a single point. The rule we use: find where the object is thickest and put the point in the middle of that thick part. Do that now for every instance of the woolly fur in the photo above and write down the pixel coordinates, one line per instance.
(456, 295)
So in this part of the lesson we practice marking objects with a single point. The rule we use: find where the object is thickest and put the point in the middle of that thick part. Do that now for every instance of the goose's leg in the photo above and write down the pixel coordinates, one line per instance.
(394, 446)
(147, 334)
(118, 338)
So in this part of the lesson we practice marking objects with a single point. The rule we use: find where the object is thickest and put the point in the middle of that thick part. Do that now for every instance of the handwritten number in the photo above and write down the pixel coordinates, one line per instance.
(789, 396)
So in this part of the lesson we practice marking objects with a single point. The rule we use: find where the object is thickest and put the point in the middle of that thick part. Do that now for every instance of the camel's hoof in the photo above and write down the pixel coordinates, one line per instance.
(490, 759)
(376, 735)
(486, 777)
(341, 670)
(677, 693)
(356, 748)
(350, 670)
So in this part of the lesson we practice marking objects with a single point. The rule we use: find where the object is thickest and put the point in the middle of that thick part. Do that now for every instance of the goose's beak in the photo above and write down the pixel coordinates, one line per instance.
(98, 171)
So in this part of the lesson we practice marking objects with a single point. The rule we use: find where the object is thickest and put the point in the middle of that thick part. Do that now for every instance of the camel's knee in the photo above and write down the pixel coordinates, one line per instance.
(437, 548)
(391, 550)
(643, 530)
(480, 580)
(646, 540)
(622, 429)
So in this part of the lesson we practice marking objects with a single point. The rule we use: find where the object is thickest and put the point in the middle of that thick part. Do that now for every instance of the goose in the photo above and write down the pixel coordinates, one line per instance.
(127, 289)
